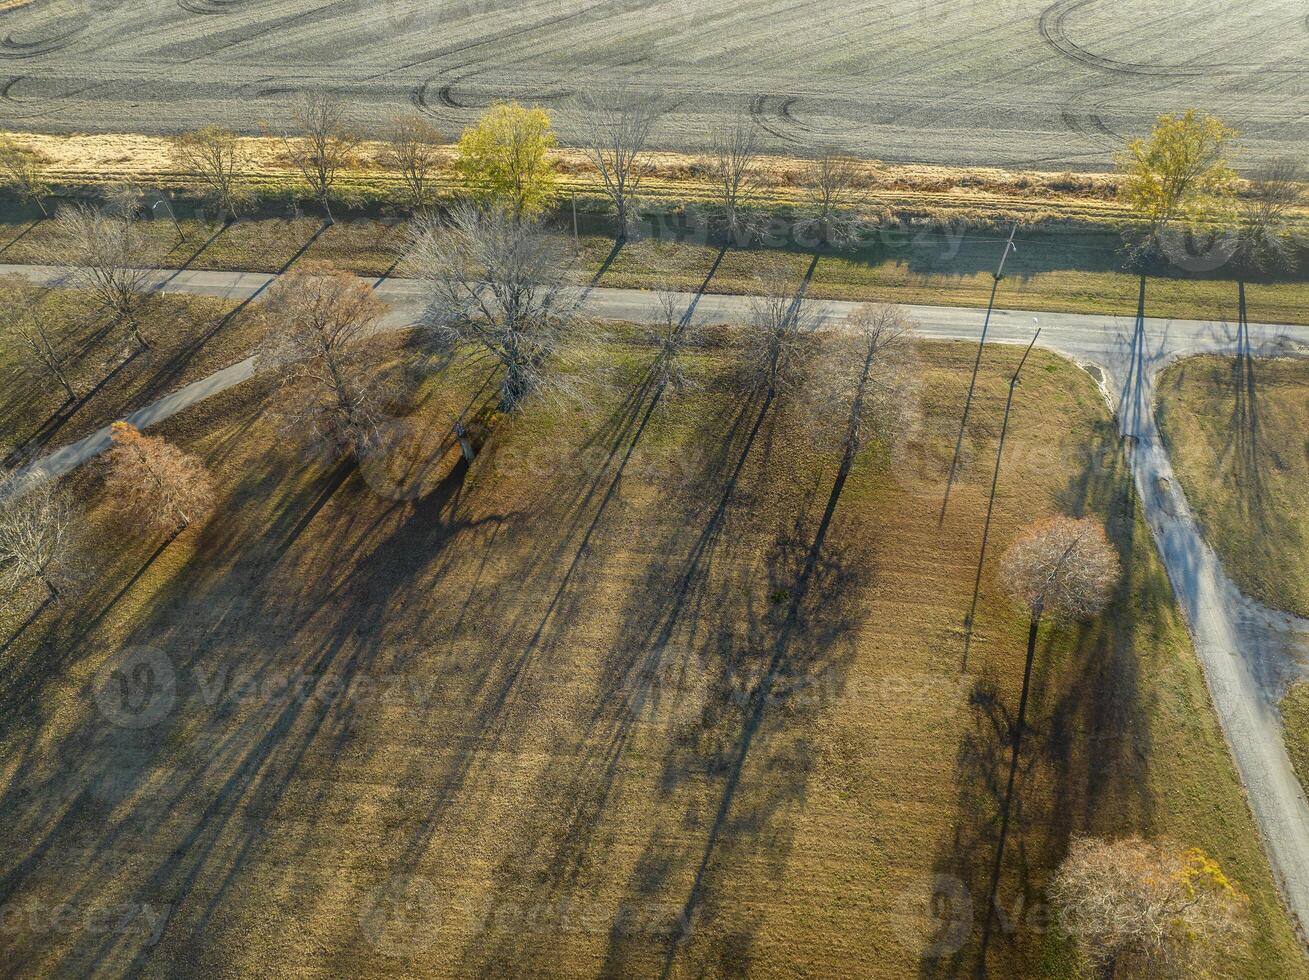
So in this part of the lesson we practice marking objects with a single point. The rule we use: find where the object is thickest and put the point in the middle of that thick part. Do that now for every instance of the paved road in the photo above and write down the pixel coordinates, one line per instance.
(1249, 653)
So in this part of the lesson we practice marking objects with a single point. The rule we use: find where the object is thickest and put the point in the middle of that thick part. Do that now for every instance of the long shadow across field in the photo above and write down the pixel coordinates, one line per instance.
(1085, 762)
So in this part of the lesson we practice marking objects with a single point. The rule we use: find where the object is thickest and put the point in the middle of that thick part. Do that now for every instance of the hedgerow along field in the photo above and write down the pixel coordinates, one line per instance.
(539, 712)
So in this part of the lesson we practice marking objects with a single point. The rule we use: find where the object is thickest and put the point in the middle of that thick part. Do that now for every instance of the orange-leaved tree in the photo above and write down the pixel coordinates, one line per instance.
(153, 483)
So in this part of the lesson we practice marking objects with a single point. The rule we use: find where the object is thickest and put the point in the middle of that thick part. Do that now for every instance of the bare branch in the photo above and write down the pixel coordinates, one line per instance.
(24, 170)
(413, 149)
(1264, 238)
(329, 383)
(866, 377)
(1147, 908)
(836, 191)
(1064, 567)
(779, 343)
(322, 145)
(217, 161)
(103, 253)
(38, 537)
(616, 126)
(500, 284)
(42, 352)
(733, 166)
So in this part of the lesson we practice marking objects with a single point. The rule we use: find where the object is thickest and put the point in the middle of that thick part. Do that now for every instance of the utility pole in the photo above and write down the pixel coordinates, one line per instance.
(977, 362)
(990, 504)
(576, 241)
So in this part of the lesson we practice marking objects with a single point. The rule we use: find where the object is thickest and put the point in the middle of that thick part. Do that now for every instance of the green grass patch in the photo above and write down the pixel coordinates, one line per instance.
(1068, 269)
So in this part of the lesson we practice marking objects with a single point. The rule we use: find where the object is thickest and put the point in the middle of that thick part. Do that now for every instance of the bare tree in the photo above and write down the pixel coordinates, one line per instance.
(836, 189)
(38, 539)
(155, 484)
(778, 343)
(103, 253)
(322, 145)
(24, 170)
(500, 284)
(866, 376)
(733, 167)
(1062, 567)
(412, 148)
(217, 161)
(42, 351)
(328, 381)
(1147, 908)
(1263, 238)
(616, 126)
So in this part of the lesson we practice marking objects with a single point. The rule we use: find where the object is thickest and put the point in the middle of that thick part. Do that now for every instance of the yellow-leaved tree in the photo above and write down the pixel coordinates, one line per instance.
(503, 159)
(1179, 175)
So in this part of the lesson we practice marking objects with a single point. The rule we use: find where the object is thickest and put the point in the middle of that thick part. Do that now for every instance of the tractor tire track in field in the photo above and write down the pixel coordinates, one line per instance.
(940, 82)
(1055, 34)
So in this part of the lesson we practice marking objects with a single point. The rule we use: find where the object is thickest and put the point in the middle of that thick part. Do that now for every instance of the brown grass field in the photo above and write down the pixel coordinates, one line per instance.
(1236, 429)
(655, 667)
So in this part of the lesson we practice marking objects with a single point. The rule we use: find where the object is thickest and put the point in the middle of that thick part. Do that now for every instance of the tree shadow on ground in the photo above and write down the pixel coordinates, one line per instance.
(1085, 760)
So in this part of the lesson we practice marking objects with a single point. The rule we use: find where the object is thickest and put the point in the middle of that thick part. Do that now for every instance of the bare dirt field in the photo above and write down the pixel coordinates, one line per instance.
(1012, 83)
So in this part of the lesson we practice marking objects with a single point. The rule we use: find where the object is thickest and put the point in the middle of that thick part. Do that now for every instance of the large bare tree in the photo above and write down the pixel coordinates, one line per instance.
(216, 160)
(329, 382)
(1142, 908)
(41, 351)
(500, 284)
(38, 539)
(733, 166)
(778, 343)
(322, 144)
(103, 251)
(24, 169)
(412, 147)
(616, 125)
(836, 189)
(153, 484)
(1063, 568)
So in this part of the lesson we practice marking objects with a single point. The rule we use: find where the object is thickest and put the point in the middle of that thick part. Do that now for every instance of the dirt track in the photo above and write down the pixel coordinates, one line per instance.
(1014, 83)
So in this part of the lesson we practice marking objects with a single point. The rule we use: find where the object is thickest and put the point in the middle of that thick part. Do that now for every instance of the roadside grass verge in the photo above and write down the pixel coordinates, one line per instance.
(1057, 269)
(641, 685)
(1295, 714)
(1236, 431)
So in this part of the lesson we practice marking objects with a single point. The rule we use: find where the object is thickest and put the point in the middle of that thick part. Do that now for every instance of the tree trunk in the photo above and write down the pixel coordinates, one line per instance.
(50, 587)
(72, 395)
(136, 332)
(513, 388)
